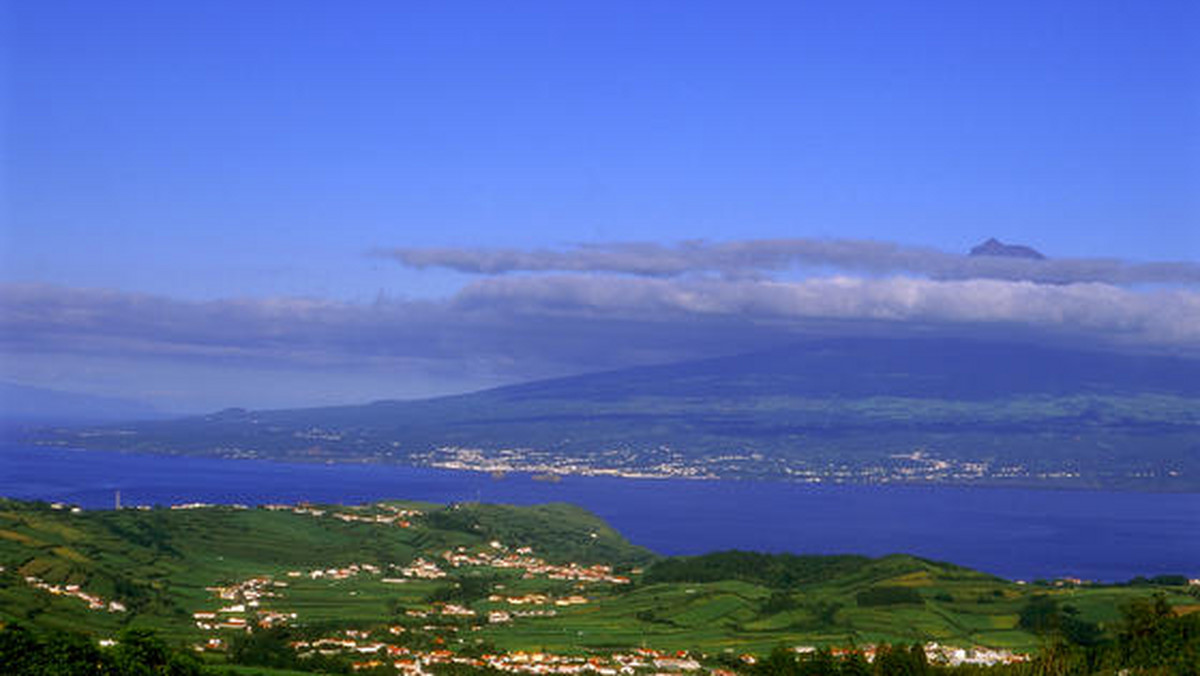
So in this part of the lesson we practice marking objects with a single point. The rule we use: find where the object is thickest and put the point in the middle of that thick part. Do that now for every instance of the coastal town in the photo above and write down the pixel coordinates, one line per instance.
(917, 466)
(905, 461)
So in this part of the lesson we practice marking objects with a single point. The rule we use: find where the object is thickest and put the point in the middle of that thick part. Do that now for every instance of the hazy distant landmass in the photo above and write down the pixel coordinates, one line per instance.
(994, 247)
(869, 410)
(31, 405)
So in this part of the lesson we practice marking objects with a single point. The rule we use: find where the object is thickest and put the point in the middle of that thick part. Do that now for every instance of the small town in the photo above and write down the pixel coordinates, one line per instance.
(393, 515)
(522, 558)
(918, 466)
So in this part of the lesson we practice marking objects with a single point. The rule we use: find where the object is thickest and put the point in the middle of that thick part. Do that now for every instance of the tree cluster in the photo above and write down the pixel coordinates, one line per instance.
(138, 652)
(778, 571)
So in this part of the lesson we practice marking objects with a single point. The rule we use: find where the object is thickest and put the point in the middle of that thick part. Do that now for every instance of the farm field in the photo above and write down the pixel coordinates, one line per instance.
(408, 579)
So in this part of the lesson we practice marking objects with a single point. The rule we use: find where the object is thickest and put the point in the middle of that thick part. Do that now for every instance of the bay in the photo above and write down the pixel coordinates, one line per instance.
(1014, 533)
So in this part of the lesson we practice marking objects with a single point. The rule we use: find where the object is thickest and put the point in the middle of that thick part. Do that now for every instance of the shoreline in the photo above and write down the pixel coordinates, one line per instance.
(1014, 532)
(1053, 485)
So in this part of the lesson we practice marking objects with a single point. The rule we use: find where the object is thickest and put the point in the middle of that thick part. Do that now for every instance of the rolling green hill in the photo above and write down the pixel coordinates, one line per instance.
(473, 579)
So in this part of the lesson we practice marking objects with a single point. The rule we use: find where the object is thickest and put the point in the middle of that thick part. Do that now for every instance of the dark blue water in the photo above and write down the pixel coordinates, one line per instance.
(1019, 534)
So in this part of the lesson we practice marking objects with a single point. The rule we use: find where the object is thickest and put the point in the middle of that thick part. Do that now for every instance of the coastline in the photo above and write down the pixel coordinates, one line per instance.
(1017, 533)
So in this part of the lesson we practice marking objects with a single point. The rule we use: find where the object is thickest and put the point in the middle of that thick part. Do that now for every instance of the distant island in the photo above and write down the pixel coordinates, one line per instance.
(403, 587)
(864, 410)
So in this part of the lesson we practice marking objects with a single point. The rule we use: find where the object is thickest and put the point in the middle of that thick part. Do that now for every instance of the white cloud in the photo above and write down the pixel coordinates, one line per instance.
(749, 257)
(577, 320)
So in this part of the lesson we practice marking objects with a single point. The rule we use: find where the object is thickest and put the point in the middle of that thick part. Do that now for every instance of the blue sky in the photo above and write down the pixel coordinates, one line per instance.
(192, 168)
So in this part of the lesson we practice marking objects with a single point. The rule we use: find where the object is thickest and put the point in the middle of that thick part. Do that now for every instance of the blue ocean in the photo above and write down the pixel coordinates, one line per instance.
(1018, 534)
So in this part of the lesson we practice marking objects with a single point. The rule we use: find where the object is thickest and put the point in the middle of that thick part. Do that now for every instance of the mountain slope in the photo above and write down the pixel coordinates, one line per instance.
(847, 408)
(858, 367)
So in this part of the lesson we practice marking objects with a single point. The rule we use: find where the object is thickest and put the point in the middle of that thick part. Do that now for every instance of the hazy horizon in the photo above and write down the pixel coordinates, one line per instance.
(218, 205)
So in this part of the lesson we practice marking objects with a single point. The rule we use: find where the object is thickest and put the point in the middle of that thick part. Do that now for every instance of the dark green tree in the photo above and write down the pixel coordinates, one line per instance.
(901, 661)
(141, 652)
(854, 664)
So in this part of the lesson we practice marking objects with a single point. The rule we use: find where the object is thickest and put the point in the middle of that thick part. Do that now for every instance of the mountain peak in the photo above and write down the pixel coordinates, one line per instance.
(994, 247)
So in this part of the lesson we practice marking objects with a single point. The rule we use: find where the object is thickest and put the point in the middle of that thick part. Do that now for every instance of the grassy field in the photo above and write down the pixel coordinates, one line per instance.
(525, 581)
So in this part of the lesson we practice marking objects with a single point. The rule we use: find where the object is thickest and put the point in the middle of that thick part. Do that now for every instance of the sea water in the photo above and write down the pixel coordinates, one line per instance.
(1015, 533)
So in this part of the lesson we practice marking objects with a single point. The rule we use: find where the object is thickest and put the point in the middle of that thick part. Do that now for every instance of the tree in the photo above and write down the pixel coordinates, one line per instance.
(140, 652)
(855, 664)
(18, 649)
(901, 661)
(781, 661)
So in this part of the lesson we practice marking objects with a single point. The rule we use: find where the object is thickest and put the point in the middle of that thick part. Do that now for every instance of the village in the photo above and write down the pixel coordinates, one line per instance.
(243, 608)
(93, 601)
(443, 631)
(522, 559)
(393, 516)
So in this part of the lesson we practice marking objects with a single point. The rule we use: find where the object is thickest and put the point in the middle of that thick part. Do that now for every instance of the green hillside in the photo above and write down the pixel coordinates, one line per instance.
(474, 579)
